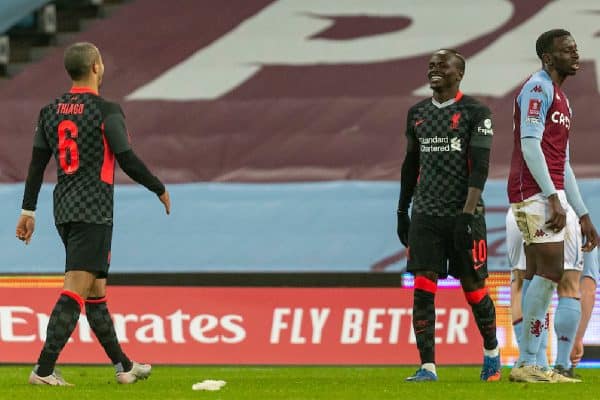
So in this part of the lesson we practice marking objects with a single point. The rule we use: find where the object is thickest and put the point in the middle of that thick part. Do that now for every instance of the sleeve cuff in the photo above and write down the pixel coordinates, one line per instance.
(28, 213)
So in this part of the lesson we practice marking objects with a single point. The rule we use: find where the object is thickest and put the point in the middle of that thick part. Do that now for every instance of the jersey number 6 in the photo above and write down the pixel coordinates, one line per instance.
(67, 132)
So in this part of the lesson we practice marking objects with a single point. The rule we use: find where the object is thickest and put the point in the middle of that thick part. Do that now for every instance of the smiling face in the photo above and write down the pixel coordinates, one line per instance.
(445, 71)
(564, 57)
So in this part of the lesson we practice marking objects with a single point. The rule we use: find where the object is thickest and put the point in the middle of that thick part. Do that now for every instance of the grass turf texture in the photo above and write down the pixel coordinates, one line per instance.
(262, 383)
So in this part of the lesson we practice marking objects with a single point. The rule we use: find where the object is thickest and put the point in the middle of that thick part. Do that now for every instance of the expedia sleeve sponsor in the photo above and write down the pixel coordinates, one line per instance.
(483, 129)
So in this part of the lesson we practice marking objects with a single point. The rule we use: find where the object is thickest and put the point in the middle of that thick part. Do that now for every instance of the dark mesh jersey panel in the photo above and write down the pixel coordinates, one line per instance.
(81, 195)
(443, 136)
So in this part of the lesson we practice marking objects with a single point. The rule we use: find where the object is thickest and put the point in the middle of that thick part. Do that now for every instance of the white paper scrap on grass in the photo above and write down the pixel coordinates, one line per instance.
(208, 384)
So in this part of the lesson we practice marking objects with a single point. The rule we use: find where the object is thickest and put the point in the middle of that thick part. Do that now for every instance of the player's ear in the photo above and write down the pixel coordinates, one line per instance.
(547, 59)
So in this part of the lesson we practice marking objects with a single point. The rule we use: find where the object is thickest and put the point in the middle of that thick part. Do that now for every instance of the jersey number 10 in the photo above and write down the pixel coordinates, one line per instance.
(67, 132)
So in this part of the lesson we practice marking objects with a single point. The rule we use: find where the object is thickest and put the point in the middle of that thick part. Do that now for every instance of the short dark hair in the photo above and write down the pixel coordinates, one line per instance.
(457, 55)
(79, 58)
(545, 43)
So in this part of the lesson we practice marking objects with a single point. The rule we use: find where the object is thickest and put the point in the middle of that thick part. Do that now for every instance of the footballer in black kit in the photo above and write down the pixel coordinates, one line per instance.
(85, 134)
(449, 138)
(445, 136)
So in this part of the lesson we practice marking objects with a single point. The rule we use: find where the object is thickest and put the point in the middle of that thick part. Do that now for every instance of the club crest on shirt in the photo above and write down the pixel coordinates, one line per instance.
(454, 121)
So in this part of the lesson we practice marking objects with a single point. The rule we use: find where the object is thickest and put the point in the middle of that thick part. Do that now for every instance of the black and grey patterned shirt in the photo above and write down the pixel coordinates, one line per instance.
(83, 131)
(443, 134)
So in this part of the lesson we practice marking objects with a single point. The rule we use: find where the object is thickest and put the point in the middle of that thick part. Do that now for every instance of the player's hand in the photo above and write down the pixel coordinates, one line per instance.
(463, 231)
(25, 228)
(577, 353)
(403, 227)
(166, 200)
(589, 233)
(558, 215)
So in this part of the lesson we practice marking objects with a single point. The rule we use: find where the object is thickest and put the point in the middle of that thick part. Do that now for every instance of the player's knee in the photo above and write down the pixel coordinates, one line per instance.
(470, 284)
(432, 276)
(569, 284)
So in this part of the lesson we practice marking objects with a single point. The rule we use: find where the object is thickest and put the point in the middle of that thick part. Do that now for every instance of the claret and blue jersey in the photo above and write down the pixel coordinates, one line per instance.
(542, 111)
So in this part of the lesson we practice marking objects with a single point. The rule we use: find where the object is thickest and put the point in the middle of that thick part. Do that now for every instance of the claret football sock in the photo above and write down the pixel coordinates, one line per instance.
(104, 329)
(61, 324)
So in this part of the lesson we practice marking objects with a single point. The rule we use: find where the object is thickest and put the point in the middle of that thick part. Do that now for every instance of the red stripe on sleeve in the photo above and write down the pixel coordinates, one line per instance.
(107, 174)
(476, 296)
(75, 297)
(425, 284)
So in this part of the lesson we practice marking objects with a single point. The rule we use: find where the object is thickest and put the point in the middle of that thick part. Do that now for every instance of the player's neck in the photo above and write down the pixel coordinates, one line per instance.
(555, 76)
(442, 96)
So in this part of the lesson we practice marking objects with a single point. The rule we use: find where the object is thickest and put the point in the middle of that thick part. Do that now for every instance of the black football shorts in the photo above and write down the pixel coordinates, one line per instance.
(431, 247)
(87, 247)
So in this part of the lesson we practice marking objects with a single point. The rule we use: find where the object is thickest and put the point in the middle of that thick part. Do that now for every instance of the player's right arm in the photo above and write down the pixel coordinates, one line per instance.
(408, 180)
(118, 141)
(534, 101)
(40, 156)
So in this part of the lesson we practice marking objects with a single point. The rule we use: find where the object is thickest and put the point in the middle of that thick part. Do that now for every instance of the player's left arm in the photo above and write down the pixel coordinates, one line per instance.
(479, 162)
(576, 201)
(118, 141)
(479, 157)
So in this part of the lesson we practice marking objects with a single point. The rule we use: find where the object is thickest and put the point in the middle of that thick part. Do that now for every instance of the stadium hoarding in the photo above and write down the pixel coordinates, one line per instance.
(229, 325)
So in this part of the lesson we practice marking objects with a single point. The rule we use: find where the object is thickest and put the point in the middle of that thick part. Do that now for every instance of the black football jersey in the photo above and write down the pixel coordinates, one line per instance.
(73, 128)
(443, 135)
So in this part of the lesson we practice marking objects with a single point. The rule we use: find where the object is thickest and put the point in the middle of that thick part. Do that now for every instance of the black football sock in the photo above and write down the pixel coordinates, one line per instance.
(104, 329)
(485, 316)
(424, 318)
(63, 321)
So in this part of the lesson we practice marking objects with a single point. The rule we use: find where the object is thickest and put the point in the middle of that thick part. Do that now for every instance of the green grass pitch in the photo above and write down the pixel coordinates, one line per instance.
(288, 383)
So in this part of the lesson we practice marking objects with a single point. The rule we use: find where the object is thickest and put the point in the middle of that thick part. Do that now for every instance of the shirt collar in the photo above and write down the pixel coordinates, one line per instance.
(82, 89)
(447, 103)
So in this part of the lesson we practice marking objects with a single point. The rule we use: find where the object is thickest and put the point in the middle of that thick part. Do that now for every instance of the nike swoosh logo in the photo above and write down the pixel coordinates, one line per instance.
(477, 266)
(419, 122)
